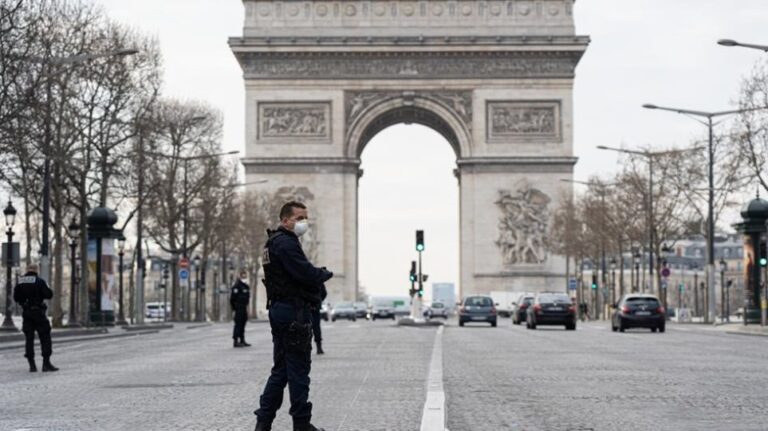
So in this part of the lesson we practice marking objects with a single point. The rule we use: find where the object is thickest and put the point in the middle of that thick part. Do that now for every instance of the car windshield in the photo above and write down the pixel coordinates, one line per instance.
(554, 298)
(153, 306)
(478, 301)
(437, 305)
(344, 305)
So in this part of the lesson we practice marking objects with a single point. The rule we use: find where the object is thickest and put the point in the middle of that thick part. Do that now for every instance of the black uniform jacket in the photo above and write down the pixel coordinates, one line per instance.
(287, 262)
(32, 291)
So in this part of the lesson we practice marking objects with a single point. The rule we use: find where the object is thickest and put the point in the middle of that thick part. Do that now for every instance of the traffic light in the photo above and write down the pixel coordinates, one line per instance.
(419, 240)
(424, 277)
(413, 271)
(763, 261)
(594, 281)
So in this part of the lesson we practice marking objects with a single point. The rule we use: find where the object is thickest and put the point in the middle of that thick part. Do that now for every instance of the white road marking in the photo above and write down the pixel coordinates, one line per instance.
(433, 417)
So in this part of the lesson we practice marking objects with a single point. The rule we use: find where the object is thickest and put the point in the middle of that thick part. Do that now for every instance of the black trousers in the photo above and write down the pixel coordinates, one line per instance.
(291, 368)
(316, 330)
(241, 318)
(36, 321)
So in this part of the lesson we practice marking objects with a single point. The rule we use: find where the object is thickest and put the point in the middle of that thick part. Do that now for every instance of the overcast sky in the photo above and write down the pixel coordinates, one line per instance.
(658, 51)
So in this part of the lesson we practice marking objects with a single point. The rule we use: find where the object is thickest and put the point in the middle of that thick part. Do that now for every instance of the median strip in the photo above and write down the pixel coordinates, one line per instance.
(433, 416)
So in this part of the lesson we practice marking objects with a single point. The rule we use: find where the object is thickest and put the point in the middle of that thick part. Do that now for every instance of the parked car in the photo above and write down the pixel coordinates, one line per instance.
(436, 309)
(344, 310)
(361, 310)
(639, 310)
(551, 309)
(324, 311)
(382, 311)
(520, 307)
(477, 309)
(154, 310)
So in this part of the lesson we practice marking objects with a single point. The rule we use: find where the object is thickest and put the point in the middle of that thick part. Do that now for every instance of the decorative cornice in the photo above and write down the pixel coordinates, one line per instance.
(518, 160)
(290, 165)
(409, 65)
(527, 42)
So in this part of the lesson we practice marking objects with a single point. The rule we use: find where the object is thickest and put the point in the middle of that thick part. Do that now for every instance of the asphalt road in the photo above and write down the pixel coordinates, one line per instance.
(373, 378)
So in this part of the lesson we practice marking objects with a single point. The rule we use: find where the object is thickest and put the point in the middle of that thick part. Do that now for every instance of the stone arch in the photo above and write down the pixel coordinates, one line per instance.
(389, 110)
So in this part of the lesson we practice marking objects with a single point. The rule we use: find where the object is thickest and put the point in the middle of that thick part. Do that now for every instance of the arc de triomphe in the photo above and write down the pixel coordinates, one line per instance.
(494, 77)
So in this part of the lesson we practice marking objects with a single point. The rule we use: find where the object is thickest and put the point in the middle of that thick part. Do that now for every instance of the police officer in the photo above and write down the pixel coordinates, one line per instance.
(30, 294)
(239, 299)
(316, 330)
(293, 287)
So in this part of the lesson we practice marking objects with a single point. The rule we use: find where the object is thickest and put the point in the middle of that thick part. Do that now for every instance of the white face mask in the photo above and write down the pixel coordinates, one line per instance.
(301, 227)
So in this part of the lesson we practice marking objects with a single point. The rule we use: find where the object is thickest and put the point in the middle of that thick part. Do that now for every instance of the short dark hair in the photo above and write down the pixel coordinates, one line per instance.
(287, 209)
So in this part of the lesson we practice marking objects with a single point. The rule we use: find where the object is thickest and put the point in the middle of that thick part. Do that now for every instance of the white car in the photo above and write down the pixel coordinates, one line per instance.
(155, 310)
(436, 309)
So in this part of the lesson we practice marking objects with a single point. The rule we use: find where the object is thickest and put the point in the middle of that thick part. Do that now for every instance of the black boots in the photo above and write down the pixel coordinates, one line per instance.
(241, 343)
(263, 426)
(306, 427)
(320, 348)
(32, 365)
(48, 366)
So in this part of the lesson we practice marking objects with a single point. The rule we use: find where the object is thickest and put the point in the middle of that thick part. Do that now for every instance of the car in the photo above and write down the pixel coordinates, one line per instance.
(436, 309)
(382, 310)
(638, 310)
(478, 309)
(550, 308)
(361, 310)
(520, 307)
(154, 310)
(344, 310)
(324, 311)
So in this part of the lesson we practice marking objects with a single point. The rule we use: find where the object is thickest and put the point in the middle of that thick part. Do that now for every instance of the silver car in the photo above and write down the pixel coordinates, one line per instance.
(436, 309)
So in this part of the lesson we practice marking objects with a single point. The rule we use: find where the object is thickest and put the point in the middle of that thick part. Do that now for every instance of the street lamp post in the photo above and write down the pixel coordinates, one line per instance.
(731, 43)
(164, 284)
(197, 288)
(723, 268)
(120, 253)
(74, 227)
(711, 198)
(10, 218)
(635, 270)
(613, 280)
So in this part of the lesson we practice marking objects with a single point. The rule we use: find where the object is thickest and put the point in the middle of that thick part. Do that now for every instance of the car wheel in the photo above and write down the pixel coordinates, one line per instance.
(393, 317)
(622, 328)
(661, 328)
(653, 329)
(373, 318)
(493, 324)
(461, 323)
(333, 319)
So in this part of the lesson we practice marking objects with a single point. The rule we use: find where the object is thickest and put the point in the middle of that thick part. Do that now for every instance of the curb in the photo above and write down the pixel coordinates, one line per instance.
(78, 339)
(201, 325)
(752, 334)
(58, 334)
(147, 327)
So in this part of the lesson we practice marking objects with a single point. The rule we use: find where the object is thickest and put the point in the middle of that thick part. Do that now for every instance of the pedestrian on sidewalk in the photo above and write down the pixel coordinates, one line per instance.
(30, 293)
(293, 287)
(239, 299)
(316, 330)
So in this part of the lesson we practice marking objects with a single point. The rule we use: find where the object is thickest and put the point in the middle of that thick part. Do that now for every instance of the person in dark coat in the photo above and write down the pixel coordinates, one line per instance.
(30, 293)
(239, 299)
(316, 330)
(293, 288)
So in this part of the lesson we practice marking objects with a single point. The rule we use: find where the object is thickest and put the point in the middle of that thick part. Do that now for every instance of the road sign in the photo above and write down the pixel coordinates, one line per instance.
(665, 272)
(571, 284)
(183, 274)
(183, 263)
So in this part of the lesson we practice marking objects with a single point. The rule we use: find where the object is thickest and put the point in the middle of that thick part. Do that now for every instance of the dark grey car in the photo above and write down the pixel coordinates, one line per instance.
(551, 309)
(479, 309)
(638, 311)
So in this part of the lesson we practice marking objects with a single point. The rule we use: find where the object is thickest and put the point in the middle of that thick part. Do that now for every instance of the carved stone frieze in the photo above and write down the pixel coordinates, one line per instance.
(523, 225)
(408, 65)
(294, 120)
(510, 121)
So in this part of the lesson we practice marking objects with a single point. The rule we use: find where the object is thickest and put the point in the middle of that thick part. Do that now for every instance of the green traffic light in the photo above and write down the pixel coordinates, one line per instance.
(763, 261)
(594, 286)
(419, 247)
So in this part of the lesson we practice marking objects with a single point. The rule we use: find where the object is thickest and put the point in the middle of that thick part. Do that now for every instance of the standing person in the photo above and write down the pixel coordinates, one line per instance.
(30, 293)
(316, 330)
(239, 299)
(293, 287)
